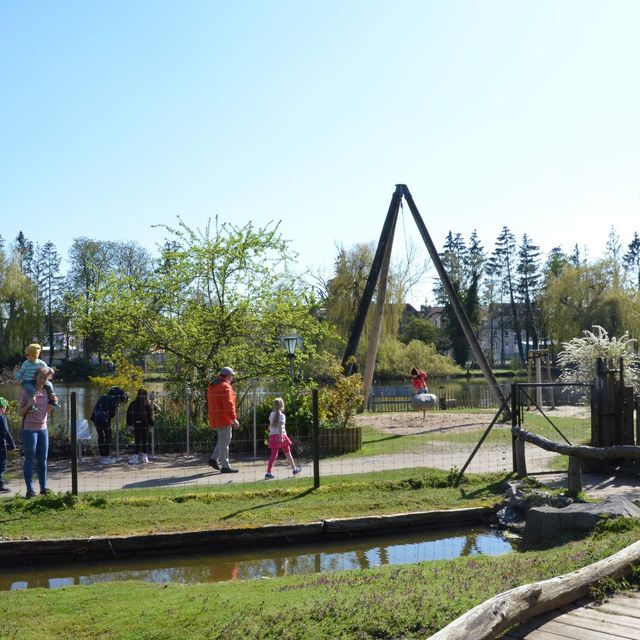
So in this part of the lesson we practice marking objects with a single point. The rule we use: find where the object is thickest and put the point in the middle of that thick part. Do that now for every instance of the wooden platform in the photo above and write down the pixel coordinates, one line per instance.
(618, 617)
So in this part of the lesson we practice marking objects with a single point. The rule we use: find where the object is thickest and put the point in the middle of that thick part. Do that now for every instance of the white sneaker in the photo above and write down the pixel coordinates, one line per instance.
(133, 459)
(143, 457)
(106, 460)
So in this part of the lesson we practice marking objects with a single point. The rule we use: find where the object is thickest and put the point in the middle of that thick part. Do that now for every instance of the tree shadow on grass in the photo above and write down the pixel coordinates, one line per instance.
(305, 493)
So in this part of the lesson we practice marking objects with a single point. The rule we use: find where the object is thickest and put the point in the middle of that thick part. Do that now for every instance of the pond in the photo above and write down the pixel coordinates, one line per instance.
(270, 562)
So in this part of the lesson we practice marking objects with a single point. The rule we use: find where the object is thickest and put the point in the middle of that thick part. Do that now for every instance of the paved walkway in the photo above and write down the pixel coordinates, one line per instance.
(178, 470)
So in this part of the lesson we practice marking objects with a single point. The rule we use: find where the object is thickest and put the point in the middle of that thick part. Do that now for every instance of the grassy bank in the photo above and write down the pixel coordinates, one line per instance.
(245, 505)
(387, 602)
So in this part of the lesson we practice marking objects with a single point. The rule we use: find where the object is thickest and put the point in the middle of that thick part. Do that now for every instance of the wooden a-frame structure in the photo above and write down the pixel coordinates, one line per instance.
(378, 276)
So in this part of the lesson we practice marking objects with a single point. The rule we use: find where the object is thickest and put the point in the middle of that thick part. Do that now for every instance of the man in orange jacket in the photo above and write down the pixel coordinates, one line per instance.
(221, 408)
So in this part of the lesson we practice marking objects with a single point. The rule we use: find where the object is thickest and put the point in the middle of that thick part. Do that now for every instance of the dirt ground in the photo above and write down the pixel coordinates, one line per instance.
(407, 423)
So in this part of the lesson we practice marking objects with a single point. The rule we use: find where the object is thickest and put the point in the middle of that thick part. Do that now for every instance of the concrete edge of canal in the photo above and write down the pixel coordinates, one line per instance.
(15, 552)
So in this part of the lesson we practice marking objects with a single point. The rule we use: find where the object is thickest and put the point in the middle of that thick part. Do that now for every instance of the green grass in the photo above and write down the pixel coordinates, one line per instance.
(408, 602)
(139, 511)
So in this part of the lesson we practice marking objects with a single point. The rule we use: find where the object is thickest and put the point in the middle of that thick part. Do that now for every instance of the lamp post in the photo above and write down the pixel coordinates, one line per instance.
(290, 344)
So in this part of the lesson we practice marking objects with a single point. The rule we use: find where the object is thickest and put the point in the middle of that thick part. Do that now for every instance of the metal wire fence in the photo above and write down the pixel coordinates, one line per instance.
(382, 442)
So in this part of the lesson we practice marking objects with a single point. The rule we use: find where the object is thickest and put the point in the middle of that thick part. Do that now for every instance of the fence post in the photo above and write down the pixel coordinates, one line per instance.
(255, 418)
(515, 408)
(74, 446)
(315, 436)
(187, 417)
(574, 478)
(118, 431)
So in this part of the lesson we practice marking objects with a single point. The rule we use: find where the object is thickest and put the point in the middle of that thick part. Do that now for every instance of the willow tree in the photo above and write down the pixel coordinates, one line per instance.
(579, 298)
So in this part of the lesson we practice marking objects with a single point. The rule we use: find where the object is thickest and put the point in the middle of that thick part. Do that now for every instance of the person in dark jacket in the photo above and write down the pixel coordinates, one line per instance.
(140, 419)
(6, 442)
(101, 416)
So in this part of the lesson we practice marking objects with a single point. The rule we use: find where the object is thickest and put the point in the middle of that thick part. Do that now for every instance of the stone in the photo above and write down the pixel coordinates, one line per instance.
(548, 524)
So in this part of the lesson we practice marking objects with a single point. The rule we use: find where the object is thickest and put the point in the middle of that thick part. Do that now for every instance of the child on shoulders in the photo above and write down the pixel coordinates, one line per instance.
(27, 374)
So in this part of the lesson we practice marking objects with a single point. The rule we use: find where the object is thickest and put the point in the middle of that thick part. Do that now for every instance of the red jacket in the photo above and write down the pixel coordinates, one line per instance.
(419, 381)
(221, 403)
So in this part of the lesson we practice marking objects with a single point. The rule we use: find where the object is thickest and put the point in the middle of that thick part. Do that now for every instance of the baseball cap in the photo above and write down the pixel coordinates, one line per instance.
(227, 371)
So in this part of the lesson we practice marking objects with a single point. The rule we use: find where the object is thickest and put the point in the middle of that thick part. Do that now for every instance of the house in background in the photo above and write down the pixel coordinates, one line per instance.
(496, 336)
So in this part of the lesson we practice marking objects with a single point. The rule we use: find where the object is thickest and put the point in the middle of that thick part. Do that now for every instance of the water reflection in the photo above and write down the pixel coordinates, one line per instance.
(363, 553)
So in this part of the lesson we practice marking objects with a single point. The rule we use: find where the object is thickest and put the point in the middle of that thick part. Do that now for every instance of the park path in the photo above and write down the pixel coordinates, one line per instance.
(178, 470)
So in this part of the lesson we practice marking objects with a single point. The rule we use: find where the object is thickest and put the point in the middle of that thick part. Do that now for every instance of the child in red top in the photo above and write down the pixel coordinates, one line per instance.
(419, 381)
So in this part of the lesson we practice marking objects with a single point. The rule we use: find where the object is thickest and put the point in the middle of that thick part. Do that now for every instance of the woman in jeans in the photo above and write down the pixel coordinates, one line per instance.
(35, 437)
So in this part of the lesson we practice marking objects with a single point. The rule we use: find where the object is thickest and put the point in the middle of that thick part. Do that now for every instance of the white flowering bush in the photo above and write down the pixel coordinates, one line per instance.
(578, 359)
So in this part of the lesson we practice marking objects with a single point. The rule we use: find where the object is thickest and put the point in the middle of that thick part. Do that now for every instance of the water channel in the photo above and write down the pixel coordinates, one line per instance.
(267, 562)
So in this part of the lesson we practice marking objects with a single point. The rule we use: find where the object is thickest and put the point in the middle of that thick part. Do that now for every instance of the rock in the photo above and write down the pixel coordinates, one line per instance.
(548, 524)
(424, 402)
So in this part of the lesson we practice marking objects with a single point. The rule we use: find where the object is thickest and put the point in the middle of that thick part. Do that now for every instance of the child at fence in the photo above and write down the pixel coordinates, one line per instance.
(6, 442)
(27, 375)
(278, 439)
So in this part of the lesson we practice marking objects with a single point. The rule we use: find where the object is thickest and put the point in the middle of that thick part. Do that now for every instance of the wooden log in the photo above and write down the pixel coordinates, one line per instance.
(521, 461)
(574, 479)
(580, 451)
(493, 617)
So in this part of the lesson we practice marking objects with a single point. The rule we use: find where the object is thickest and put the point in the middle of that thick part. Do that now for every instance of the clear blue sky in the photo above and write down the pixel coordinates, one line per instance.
(119, 115)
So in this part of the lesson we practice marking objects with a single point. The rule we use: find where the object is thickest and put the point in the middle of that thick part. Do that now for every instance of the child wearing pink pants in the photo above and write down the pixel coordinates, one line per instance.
(278, 439)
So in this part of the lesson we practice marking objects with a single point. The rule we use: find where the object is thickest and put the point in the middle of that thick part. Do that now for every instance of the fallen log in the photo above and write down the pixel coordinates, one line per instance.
(578, 451)
(493, 617)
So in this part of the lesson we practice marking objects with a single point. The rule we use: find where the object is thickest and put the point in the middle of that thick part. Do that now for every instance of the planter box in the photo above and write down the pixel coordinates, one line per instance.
(340, 440)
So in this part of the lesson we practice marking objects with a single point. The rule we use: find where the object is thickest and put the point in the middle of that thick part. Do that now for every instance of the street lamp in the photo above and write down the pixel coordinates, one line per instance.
(290, 344)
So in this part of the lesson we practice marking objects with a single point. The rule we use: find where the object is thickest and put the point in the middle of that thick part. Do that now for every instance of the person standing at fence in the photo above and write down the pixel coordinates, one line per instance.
(223, 417)
(6, 442)
(35, 436)
(140, 420)
(101, 416)
(419, 380)
(278, 439)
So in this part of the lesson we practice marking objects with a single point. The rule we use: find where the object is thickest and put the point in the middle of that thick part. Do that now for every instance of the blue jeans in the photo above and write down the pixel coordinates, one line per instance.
(35, 444)
(3, 467)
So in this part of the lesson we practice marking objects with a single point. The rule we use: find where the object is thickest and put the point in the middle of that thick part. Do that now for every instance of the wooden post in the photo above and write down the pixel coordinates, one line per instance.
(521, 462)
(627, 417)
(574, 478)
(315, 437)
(374, 335)
(458, 309)
(367, 295)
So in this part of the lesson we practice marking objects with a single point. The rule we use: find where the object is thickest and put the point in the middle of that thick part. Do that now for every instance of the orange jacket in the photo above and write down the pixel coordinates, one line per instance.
(221, 403)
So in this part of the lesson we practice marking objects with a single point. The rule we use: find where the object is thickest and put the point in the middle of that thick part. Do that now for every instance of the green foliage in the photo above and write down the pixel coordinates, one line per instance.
(615, 525)
(40, 504)
(343, 400)
(419, 328)
(579, 356)
(127, 376)
(585, 295)
(218, 296)
(395, 358)
(297, 407)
